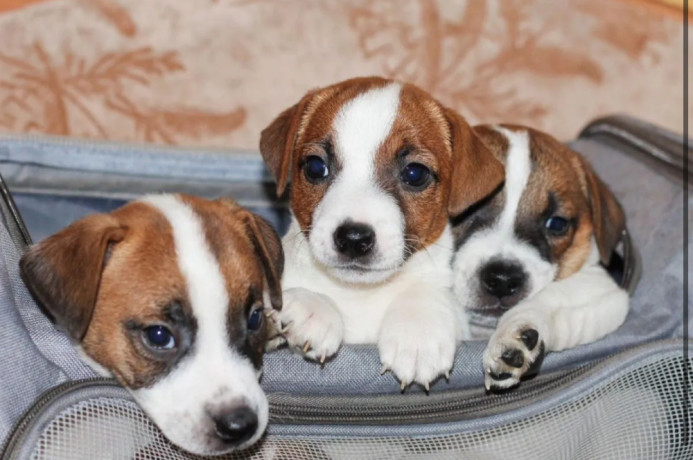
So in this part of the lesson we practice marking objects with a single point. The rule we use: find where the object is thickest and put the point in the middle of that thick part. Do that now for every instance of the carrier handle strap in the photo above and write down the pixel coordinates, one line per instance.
(664, 148)
(663, 151)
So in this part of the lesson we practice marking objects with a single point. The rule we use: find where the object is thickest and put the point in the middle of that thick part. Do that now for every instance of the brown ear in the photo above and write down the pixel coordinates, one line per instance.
(476, 172)
(63, 272)
(268, 247)
(277, 142)
(608, 218)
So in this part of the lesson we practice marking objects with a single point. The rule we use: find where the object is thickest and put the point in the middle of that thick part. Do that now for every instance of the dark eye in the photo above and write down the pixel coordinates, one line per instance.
(159, 338)
(255, 319)
(315, 169)
(416, 175)
(557, 225)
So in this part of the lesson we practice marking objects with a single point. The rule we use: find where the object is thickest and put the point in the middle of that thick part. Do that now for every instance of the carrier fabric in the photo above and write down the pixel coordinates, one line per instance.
(33, 357)
(215, 72)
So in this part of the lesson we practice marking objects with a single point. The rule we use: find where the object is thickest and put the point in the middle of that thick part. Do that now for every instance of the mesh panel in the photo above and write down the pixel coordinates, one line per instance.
(639, 415)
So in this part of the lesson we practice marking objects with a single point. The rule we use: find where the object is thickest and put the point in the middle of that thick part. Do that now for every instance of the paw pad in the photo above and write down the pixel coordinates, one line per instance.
(514, 351)
(513, 357)
(501, 376)
(530, 337)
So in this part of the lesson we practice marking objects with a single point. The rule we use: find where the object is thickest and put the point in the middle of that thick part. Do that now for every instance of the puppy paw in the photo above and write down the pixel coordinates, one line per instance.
(516, 349)
(275, 339)
(311, 324)
(418, 348)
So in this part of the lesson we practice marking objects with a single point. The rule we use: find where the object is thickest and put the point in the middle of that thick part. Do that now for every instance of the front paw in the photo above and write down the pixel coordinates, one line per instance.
(311, 324)
(516, 349)
(418, 349)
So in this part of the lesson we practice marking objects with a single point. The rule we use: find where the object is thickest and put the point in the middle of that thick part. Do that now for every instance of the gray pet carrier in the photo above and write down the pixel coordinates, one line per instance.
(626, 396)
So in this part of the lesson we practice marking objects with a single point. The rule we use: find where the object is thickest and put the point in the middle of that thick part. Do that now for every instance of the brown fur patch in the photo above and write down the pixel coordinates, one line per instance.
(139, 281)
(420, 133)
(554, 173)
(560, 172)
(575, 256)
(494, 141)
(477, 173)
(63, 272)
(608, 218)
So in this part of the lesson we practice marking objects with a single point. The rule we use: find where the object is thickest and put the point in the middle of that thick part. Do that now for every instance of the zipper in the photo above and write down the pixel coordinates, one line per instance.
(455, 405)
(25, 422)
(419, 408)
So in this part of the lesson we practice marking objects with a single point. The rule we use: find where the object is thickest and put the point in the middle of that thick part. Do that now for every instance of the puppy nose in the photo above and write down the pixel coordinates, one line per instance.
(236, 426)
(354, 239)
(502, 279)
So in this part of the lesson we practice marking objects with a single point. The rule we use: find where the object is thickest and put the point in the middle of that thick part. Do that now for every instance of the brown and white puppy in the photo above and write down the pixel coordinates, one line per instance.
(376, 167)
(533, 253)
(166, 294)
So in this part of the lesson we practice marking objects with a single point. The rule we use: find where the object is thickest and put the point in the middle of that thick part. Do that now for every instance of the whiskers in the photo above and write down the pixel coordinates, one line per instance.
(413, 244)
(293, 238)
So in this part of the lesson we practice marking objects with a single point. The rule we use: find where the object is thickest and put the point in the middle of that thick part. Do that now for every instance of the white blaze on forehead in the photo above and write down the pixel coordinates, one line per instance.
(517, 169)
(204, 281)
(499, 241)
(212, 376)
(363, 124)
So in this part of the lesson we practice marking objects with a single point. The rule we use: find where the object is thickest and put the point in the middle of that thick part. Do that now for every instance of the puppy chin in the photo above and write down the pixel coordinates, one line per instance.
(492, 307)
(378, 269)
(358, 275)
(473, 299)
(488, 302)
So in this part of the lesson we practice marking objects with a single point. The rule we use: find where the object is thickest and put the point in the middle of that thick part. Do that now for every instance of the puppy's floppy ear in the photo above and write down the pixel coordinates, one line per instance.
(608, 218)
(63, 272)
(277, 142)
(476, 172)
(268, 247)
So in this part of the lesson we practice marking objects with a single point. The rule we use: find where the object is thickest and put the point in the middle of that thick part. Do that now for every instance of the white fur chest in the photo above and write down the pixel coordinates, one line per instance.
(363, 307)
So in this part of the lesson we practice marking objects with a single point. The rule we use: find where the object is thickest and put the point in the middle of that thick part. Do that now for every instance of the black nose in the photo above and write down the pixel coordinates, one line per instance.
(354, 240)
(502, 279)
(236, 426)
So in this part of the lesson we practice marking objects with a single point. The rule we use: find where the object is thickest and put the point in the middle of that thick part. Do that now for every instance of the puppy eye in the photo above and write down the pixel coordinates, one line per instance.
(557, 225)
(159, 338)
(416, 175)
(255, 319)
(315, 169)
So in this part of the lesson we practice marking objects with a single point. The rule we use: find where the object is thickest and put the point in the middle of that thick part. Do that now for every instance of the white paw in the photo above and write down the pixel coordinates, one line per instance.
(311, 324)
(418, 345)
(515, 348)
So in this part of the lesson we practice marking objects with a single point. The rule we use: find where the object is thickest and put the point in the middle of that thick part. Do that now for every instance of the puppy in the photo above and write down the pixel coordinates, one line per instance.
(533, 253)
(166, 294)
(376, 166)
